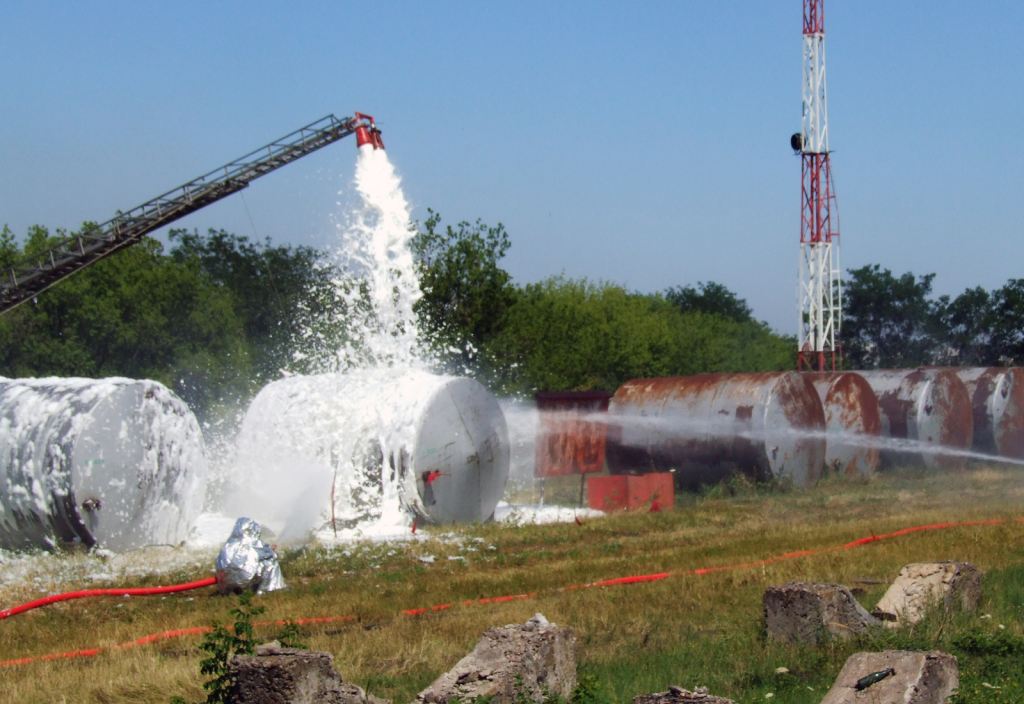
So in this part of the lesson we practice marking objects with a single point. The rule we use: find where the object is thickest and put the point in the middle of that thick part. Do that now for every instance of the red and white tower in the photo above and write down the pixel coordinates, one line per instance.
(820, 287)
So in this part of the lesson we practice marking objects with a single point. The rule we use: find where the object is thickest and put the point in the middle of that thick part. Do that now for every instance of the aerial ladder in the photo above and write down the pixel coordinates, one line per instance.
(33, 275)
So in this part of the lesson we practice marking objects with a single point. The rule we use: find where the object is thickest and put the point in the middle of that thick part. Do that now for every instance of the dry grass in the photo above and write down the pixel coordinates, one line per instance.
(684, 630)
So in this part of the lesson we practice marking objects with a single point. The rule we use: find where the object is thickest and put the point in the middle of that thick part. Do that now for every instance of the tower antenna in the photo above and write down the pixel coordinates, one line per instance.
(820, 291)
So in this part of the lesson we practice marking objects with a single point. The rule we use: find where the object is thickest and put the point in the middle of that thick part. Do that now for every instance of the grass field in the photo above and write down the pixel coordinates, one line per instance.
(684, 630)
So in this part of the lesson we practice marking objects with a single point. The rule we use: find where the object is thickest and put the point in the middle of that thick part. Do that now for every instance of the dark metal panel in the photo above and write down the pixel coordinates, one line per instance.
(569, 439)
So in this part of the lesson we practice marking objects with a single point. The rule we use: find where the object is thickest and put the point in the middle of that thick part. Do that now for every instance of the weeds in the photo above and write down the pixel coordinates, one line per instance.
(688, 630)
(221, 645)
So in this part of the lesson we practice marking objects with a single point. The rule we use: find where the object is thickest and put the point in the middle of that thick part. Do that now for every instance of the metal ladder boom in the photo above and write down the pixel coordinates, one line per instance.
(36, 273)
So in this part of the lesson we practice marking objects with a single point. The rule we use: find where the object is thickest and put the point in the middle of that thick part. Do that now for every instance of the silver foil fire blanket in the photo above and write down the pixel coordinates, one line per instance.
(246, 562)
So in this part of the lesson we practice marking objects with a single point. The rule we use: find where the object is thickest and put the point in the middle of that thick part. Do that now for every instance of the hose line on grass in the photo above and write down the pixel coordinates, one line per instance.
(637, 579)
(141, 591)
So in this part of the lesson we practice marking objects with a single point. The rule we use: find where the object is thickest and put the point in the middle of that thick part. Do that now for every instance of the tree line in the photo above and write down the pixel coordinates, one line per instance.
(216, 316)
(893, 321)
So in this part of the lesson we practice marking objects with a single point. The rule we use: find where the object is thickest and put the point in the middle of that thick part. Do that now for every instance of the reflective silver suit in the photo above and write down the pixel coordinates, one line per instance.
(246, 562)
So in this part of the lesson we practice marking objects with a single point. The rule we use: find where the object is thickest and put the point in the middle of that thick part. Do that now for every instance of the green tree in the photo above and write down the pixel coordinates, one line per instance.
(564, 334)
(962, 328)
(710, 298)
(276, 290)
(9, 252)
(887, 320)
(137, 314)
(1006, 330)
(466, 294)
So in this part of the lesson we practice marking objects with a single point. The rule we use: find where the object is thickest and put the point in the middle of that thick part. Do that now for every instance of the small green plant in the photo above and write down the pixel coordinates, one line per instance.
(289, 636)
(587, 690)
(1000, 645)
(221, 645)
(520, 695)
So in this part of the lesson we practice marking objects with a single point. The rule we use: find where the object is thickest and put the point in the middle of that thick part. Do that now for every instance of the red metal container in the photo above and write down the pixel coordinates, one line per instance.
(367, 132)
(997, 403)
(928, 406)
(710, 426)
(851, 408)
(621, 492)
(570, 440)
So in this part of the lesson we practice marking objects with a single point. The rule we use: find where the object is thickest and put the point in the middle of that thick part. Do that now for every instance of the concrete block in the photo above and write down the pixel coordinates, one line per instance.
(276, 675)
(540, 654)
(925, 585)
(917, 677)
(808, 612)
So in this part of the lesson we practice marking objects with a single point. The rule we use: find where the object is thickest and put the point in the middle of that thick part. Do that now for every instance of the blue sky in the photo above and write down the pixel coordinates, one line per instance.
(645, 144)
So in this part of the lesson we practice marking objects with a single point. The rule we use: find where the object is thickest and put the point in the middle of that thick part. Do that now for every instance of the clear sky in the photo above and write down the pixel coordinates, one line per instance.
(642, 143)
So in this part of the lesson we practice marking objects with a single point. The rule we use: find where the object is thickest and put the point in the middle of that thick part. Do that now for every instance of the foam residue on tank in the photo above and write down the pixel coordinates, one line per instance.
(43, 423)
(325, 452)
(332, 452)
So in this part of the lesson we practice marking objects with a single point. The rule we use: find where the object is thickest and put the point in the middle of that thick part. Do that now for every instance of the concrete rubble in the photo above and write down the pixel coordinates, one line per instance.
(904, 676)
(536, 657)
(809, 612)
(276, 675)
(925, 585)
(675, 695)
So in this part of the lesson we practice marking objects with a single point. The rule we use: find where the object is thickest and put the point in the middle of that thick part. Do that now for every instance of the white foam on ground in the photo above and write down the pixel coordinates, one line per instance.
(536, 514)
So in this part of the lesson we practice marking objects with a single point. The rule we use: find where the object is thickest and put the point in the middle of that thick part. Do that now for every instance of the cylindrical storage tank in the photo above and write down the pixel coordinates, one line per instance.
(928, 407)
(117, 463)
(710, 426)
(851, 409)
(997, 403)
(371, 449)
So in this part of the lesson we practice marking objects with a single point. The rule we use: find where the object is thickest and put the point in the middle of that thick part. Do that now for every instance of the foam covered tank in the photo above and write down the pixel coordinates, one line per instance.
(115, 462)
(851, 408)
(373, 446)
(997, 405)
(929, 407)
(710, 426)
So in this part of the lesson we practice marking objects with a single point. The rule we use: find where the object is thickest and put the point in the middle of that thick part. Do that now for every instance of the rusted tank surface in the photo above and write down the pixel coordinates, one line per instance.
(997, 405)
(710, 426)
(851, 408)
(570, 439)
(929, 407)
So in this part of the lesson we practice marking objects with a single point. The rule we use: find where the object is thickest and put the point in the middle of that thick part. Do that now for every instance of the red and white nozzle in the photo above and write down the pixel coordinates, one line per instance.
(367, 132)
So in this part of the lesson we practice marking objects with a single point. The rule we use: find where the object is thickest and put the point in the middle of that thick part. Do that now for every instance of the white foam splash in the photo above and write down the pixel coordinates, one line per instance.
(304, 458)
(372, 322)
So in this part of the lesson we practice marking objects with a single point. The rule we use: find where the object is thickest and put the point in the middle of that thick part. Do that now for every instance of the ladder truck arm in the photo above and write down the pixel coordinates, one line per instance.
(36, 273)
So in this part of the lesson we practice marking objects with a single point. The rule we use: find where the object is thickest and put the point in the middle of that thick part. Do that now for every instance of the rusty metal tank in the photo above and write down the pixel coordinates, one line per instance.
(117, 463)
(927, 406)
(851, 408)
(571, 432)
(997, 403)
(708, 427)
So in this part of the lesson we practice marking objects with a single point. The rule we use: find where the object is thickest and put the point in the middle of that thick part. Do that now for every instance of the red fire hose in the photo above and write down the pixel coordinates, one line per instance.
(142, 591)
(442, 607)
